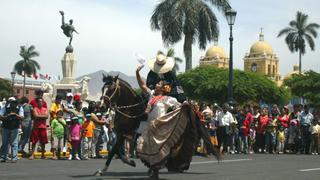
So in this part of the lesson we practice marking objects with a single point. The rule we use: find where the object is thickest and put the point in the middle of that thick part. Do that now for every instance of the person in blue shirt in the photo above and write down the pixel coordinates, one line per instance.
(11, 115)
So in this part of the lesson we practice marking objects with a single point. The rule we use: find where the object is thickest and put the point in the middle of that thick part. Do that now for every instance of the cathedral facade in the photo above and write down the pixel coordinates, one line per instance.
(261, 59)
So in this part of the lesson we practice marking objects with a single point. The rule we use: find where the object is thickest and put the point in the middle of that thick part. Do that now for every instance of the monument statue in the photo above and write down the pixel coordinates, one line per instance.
(68, 30)
(47, 88)
(84, 89)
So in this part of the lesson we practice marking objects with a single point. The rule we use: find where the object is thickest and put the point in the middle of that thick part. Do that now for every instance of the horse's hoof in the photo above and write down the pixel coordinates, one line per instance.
(98, 173)
(132, 163)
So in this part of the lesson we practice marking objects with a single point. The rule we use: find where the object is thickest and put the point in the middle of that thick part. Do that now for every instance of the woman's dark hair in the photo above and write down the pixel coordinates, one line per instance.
(92, 107)
(59, 97)
(24, 100)
(38, 92)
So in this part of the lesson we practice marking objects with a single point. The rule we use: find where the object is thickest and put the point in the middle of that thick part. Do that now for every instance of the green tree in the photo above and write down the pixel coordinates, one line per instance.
(191, 19)
(171, 53)
(27, 66)
(298, 32)
(5, 89)
(305, 85)
(210, 84)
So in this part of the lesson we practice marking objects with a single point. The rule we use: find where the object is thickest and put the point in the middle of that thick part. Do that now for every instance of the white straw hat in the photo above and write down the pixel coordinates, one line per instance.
(161, 64)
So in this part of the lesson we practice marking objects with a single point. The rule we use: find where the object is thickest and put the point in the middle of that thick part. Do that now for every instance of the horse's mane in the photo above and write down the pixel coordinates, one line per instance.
(125, 82)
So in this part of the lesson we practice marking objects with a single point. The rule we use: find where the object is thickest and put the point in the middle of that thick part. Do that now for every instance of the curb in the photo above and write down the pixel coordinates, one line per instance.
(48, 154)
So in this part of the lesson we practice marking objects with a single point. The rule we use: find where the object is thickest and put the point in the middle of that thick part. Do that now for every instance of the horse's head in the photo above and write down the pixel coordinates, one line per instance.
(109, 88)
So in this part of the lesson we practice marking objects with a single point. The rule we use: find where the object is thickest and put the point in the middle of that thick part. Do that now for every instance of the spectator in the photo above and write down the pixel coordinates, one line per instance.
(261, 130)
(39, 95)
(225, 119)
(55, 107)
(58, 125)
(283, 118)
(293, 136)
(68, 112)
(315, 132)
(39, 132)
(244, 125)
(270, 134)
(26, 125)
(252, 138)
(87, 146)
(75, 138)
(10, 115)
(305, 119)
(281, 137)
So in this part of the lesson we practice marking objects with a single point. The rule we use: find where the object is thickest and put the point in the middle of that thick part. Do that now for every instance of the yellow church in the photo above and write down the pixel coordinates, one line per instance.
(261, 59)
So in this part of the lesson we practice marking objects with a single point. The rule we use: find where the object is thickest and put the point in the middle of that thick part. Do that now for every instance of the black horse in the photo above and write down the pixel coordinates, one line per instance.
(129, 110)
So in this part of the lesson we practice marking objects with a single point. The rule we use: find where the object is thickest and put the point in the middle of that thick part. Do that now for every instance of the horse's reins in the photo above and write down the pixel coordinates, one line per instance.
(117, 108)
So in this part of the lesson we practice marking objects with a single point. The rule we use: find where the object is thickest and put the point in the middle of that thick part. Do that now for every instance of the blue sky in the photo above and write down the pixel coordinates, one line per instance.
(111, 32)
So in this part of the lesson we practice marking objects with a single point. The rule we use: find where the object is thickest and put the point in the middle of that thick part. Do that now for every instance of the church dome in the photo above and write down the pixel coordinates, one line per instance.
(215, 52)
(261, 47)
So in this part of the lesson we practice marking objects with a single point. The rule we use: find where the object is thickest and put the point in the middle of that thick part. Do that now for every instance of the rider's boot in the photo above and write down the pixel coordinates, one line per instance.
(154, 174)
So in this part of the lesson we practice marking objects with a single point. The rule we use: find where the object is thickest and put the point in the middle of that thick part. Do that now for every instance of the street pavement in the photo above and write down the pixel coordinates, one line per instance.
(233, 167)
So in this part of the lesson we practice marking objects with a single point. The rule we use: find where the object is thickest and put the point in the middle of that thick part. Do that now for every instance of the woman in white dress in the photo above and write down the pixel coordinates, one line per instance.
(158, 104)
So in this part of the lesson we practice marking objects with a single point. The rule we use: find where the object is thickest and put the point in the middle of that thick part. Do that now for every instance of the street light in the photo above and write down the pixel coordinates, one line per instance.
(231, 16)
(13, 75)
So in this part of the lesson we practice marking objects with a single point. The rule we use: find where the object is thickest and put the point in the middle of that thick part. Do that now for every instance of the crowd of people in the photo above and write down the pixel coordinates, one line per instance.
(66, 125)
(84, 131)
(263, 129)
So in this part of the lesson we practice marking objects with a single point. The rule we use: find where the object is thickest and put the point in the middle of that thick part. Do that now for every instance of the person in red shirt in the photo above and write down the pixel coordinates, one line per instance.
(261, 130)
(39, 95)
(248, 111)
(39, 131)
(283, 118)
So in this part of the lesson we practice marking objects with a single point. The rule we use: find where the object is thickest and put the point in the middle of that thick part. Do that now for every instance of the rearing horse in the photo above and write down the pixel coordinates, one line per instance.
(129, 110)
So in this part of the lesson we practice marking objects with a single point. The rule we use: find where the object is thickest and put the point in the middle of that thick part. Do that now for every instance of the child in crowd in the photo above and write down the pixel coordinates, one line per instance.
(88, 128)
(243, 131)
(315, 132)
(75, 138)
(57, 125)
(252, 137)
(293, 136)
(281, 138)
(212, 124)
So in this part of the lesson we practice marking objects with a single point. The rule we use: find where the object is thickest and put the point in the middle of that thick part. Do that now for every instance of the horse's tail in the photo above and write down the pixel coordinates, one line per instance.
(204, 134)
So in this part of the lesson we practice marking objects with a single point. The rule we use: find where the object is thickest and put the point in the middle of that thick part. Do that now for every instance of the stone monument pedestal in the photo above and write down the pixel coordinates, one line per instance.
(63, 89)
(68, 82)
(68, 63)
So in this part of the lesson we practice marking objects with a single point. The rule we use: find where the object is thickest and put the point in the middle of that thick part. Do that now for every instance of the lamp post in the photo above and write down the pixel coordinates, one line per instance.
(231, 16)
(13, 75)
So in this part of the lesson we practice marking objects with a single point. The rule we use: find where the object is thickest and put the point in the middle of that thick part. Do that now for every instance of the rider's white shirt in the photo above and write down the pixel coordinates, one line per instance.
(159, 109)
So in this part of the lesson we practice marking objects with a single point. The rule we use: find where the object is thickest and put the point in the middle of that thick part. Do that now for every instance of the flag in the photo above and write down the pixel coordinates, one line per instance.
(43, 77)
(35, 76)
(48, 77)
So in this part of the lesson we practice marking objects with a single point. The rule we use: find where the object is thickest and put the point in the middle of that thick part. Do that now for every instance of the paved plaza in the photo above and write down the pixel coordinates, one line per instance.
(233, 167)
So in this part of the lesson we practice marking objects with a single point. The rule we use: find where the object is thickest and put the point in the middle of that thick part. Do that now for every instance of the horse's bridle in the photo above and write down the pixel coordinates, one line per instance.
(112, 95)
(117, 108)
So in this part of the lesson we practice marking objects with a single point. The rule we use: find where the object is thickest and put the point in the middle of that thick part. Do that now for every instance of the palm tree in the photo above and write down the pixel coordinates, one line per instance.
(192, 18)
(27, 66)
(171, 53)
(298, 32)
